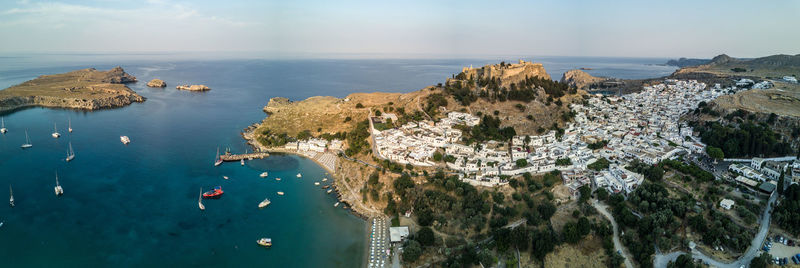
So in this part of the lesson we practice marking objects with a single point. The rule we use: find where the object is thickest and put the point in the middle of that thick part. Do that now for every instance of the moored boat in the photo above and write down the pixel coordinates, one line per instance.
(225, 177)
(214, 193)
(59, 191)
(200, 200)
(336, 205)
(70, 126)
(27, 143)
(329, 191)
(326, 187)
(3, 128)
(11, 192)
(264, 174)
(71, 153)
(277, 179)
(264, 203)
(125, 140)
(266, 242)
(241, 162)
(299, 175)
(217, 160)
(55, 132)
(324, 179)
(280, 193)
(316, 183)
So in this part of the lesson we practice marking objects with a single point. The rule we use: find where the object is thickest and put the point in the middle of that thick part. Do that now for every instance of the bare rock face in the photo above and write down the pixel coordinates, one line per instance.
(580, 79)
(193, 87)
(156, 83)
(118, 76)
(275, 104)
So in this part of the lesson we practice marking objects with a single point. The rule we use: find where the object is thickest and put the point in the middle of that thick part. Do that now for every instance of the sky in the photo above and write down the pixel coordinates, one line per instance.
(409, 28)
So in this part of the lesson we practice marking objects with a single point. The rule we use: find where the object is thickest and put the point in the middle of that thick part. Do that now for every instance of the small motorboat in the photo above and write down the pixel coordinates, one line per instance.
(326, 187)
(264, 203)
(264, 174)
(329, 191)
(336, 205)
(277, 179)
(265, 242)
(225, 177)
(298, 175)
(214, 194)
(280, 193)
(125, 140)
(241, 162)
(324, 179)
(316, 183)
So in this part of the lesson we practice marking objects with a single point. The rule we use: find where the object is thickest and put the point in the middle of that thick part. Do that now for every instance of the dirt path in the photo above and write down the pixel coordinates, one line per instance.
(617, 244)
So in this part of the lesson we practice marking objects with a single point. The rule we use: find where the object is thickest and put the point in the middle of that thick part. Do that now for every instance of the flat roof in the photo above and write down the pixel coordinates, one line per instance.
(767, 187)
(397, 234)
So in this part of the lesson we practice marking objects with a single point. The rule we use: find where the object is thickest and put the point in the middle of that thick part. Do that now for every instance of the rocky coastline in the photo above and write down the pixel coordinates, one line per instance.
(193, 87)
(85, 89)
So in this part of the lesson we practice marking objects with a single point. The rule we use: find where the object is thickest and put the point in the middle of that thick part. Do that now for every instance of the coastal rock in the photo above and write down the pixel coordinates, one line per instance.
(193, 87)
(87, 89)
(580, 79)
(117, 76)
(156, 83)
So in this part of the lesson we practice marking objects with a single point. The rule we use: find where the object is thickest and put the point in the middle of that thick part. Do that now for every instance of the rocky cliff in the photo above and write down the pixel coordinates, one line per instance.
(580, 79)
(87, 89)
(193, 87)
(156, 83)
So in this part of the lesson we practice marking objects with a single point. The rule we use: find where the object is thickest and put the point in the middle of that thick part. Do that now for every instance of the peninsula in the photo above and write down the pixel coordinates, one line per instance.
(87, 89)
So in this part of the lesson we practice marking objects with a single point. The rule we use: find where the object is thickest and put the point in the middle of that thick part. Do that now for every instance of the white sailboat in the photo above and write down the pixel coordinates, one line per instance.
(11, 200)
(217, 160)
(264, 203)
(71, 153)
(70, 126)
(200, 200)
(3, 128)
(27, 143)
(59, 191)
(55, 132)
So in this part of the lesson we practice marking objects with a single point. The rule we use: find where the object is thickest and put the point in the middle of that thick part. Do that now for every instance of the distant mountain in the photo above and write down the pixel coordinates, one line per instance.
(684, 62)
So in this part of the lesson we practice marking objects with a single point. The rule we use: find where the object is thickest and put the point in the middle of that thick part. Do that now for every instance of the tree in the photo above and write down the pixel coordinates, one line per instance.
(683, 261)
(359, 105)
(522, 163)
(715, 153)
(602, 194)
(411, 251)
(586, 193)
(437, 156)
(425, 236)
(599, 165)
(762, 261)
(781, 182)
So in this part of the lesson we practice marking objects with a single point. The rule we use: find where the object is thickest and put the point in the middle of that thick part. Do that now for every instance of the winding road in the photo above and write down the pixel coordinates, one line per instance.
(661, 260)
(617, 243)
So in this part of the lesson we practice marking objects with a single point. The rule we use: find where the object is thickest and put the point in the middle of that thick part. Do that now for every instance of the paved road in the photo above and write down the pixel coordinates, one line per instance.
(661, 260)
(617, 243)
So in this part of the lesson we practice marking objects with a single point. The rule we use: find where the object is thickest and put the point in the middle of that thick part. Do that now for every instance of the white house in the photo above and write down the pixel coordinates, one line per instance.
(726, 203)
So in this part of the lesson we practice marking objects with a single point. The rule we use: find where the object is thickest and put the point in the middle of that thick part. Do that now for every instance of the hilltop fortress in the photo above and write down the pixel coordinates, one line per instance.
(505, 73)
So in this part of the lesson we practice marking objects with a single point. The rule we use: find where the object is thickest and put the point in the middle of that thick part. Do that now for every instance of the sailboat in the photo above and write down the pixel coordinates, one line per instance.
(11, 200)
(3, 128)
(55, 132)
(71, 153)
(59, 191)
(200, 200)
(27, 143)
(70, 126)
(217, 161)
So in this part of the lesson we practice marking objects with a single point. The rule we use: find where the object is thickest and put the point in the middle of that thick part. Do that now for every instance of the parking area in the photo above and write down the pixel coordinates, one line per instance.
(379, 244)
(782, 250)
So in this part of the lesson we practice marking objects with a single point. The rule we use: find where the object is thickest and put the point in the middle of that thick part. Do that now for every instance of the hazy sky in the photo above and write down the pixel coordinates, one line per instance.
(405, 28)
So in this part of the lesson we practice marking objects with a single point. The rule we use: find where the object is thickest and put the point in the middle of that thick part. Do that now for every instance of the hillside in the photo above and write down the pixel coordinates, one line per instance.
(87, 89)
(764, 67)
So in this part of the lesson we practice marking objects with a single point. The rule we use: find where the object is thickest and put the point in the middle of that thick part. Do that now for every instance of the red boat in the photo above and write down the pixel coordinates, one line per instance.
(214, 194)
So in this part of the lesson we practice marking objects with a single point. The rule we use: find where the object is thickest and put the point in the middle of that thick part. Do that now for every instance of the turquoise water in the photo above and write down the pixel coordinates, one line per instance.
(137, 204)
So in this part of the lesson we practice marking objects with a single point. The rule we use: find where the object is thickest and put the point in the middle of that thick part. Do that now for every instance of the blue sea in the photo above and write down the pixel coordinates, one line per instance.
(136, 205)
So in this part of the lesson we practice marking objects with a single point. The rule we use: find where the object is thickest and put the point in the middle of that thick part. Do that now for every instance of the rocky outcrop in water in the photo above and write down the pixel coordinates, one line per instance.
(156, 83)
(193, 87)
